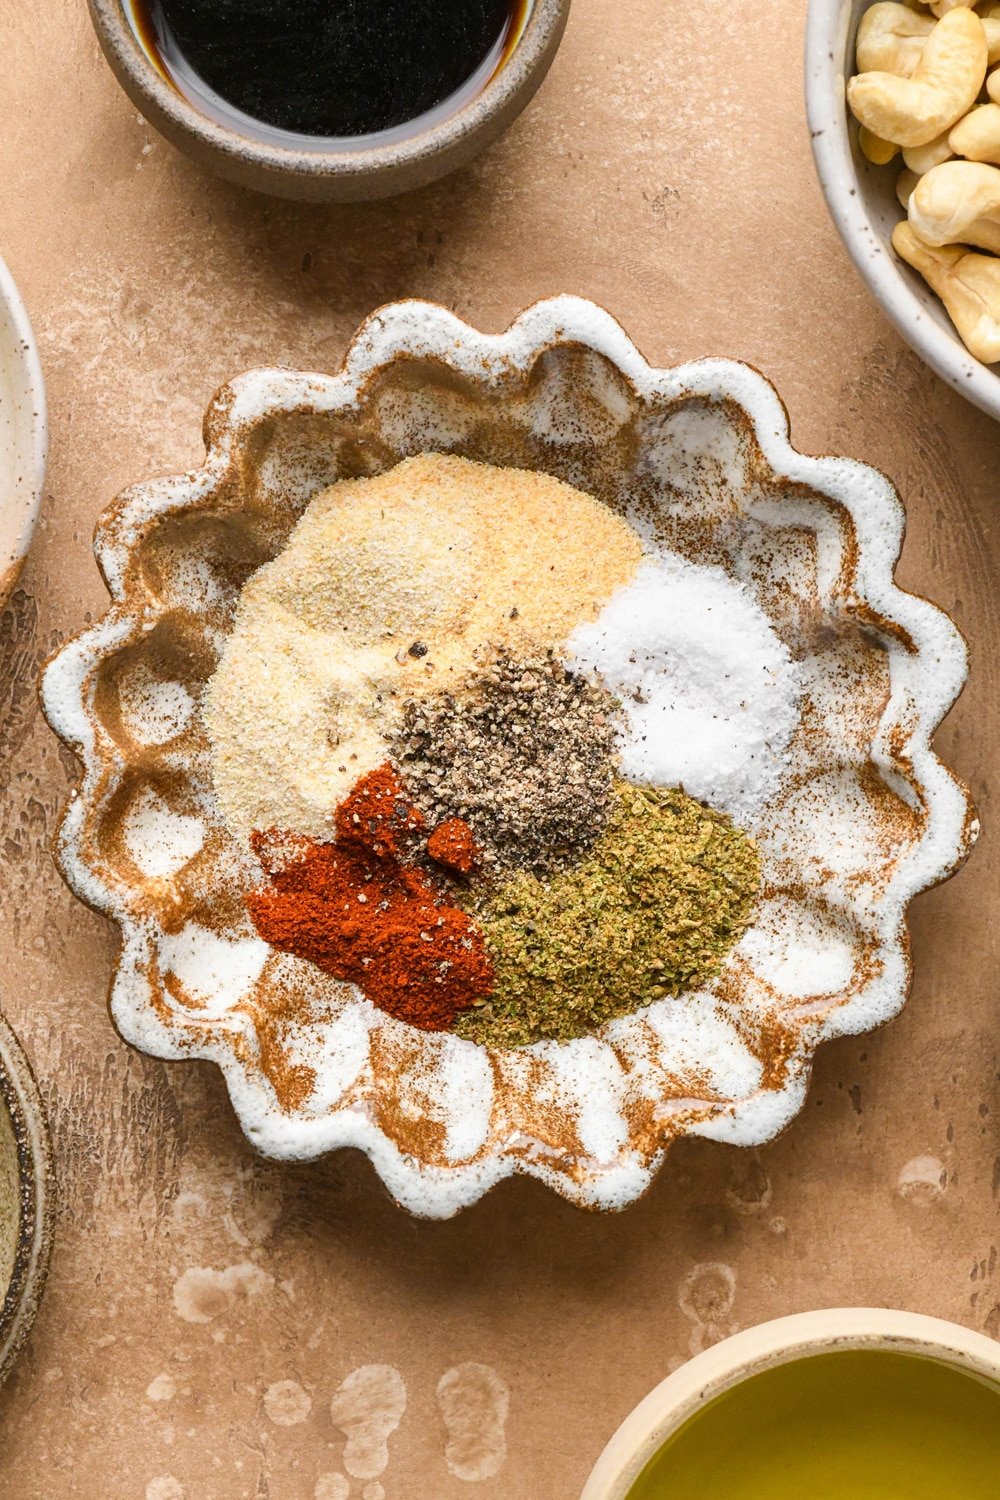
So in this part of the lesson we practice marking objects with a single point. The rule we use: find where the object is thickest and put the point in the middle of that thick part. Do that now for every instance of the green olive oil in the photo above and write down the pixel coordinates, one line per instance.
(856, 1425)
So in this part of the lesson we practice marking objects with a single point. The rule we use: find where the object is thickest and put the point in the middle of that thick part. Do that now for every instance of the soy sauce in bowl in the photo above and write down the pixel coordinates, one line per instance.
(362, 72)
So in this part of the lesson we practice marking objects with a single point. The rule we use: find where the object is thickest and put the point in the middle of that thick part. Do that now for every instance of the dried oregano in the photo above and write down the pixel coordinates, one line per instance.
(651, 910)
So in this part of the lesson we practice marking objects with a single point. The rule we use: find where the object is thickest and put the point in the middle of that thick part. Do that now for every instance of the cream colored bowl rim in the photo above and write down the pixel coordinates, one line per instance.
(724, 1365)
(22, 383)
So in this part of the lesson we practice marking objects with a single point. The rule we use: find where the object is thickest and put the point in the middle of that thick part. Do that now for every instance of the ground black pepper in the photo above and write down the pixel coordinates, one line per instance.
(525, 754)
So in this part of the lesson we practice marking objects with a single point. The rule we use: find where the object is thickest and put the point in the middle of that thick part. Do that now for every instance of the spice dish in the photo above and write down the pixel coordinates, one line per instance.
(310, 687)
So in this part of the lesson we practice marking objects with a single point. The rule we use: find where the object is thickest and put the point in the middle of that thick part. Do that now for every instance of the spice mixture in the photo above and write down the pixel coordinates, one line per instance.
(446, 810)
(523, 750)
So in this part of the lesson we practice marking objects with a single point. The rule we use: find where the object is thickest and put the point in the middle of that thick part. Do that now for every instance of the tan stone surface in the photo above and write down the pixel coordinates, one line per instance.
(206, 1307)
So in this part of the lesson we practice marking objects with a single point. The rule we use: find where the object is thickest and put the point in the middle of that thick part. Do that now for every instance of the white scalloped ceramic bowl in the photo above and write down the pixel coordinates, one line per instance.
(863, 205)
(863, 815)
(676, 1399)
(23, 433)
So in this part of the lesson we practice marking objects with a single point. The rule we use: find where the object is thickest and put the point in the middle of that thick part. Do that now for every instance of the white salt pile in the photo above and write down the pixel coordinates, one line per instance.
(710, 692)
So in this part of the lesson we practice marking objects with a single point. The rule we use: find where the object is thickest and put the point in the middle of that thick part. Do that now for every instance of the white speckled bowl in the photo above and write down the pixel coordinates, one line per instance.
(27, 1199)
(23, 433)
(862, 201)
(694, 1385)
(863, 814)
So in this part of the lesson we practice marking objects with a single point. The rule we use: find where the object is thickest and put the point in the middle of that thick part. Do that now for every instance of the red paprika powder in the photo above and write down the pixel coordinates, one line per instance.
(451, 844)
(361, 912)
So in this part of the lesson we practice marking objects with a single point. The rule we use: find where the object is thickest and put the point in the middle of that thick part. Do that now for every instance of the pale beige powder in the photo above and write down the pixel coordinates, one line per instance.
(388, 589)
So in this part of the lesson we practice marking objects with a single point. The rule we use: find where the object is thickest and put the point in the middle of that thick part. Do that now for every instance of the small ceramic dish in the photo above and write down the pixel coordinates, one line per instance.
(718, 1369)
(329, 169)
(863, 204)
(27, 1199)
(23, 433)
(860, 813)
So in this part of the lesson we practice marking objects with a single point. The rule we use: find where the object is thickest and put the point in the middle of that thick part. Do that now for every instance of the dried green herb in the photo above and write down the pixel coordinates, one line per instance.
(651, 910)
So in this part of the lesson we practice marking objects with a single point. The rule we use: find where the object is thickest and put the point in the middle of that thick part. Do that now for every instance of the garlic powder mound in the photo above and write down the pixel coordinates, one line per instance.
(389, 589)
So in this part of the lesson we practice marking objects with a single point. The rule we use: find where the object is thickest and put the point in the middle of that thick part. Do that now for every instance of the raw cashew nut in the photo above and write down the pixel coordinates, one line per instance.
(977, 137)
(920, 159)
(905, 183)
(942, 7)
(912, 111)
(991, 26)
(875, 149)
(891, 39)
(993, 85)
(968, 285)
(958, 203)
(990, 17)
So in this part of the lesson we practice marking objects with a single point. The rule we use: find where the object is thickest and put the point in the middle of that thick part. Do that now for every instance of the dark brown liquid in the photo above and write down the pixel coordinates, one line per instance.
(329, 68)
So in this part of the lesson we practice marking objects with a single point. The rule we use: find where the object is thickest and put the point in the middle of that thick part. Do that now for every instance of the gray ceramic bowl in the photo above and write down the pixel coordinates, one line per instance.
(27, 1199)
(322, 170)
(862, 201)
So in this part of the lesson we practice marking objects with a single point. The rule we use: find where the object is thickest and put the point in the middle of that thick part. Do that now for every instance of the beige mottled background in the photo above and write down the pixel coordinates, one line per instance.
(663, 170)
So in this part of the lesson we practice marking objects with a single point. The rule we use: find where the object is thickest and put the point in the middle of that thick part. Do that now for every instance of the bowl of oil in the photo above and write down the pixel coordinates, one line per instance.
(27, 1199)
(305, 99)
(843, 1404)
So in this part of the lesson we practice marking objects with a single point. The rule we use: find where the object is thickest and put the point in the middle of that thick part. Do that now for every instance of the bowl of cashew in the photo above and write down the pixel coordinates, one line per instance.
(903, 102)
